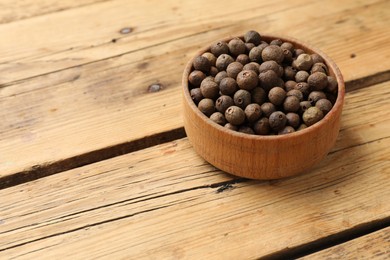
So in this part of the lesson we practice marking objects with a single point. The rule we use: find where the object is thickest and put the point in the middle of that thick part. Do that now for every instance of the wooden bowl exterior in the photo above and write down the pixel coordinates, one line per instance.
(263, 157)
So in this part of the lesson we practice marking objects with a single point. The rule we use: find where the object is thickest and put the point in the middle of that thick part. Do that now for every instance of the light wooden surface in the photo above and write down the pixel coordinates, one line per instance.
(372, 246)
(94, 165)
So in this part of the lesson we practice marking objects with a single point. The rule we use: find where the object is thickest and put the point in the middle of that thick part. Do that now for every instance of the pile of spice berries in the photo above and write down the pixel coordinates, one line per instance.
(264, 88)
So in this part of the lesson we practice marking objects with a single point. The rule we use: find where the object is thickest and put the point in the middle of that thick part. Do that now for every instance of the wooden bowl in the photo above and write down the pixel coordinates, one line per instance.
(263, 157)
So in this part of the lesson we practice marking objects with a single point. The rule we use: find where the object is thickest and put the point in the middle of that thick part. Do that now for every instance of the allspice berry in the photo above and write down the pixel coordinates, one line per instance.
(301, 76)
(291, 104)
(286, 130)
(219, 48)
(301, 127)
(289, 85)
(249, 46)
(277, 120)
(220, 76)
(277, 42)
(317, 58)
(298, 52)
(312, 115)
(269, 79)
(293, 119)
(303, 87)
(209, 89)
(324, 105)
(246, 129)
(271, 65)
(213, 71)
(218, 118)
(231, 126)
(288, 56)
(223, 103)
(252, 66)
(295, 92)
(206, 106)
(235, 115)
(332, 85)
(196, 95)
(258, 95)
(314, 96)
(228, 86)
(236, 46)
(252, 37)
(287, 46)
(289, 73)
(267, 108)
(242, 98)
(196, 77)
(233, 69)
(255, 54)
(303, 62)
(201, 63)
(319, 67)
(304, 105)
(211, 57)
(262, 127)
(243, 59)
(277, 95)
(247, 79)
(223, 61)
(252, 112)
(317, 81)
(273, 52)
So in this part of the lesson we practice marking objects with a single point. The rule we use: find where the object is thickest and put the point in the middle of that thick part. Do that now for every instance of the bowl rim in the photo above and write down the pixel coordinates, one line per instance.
(267, 37)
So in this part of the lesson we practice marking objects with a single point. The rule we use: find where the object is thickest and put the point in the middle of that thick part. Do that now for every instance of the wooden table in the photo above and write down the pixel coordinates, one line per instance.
(94, 163)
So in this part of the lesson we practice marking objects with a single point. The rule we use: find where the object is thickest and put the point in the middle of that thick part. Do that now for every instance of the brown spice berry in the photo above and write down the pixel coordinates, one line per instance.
(196, 77)
(201, 63)
(233, 69)
(228, 86)
(269, 79)
(219, 48)
(317, 81)
(277, 42)
(255, 54)
(242, 98)
(317, 58)
(304, 105)
(261, 127)
(235, 115)
(332, 84)
(211, 57)
(209, 89)
(301, 127)
(291, 104)
(271, 65)
(312, 115)
(293, 119)
(277, 95)
(243, 59)
(289, 73)
(223, 103)
(249, 46)
(319, 67)
(287, 46)
(273, 52)
(301, 76)
(267, 109)
(252, 66)
(303, 87)
(231, 127)
(298, 52)
(218, 118)
(246, 129)
(295, 92)
(213, 71)
(288, 56)
(286, 130)
(324, 105)
(277, 120)
(314, 96)
(247, 79)
(252, 112)
(289, 85)
(220, 76)
(223, 61)
(303, 62)
(258, 95)
(236, 46)
(206, 106)
(196, 95)
(252, 37)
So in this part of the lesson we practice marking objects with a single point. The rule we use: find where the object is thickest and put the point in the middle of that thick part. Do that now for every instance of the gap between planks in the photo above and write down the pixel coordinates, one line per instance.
(47, 169)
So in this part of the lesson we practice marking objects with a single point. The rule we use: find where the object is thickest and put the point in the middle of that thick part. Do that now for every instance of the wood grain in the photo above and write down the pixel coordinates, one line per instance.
(165, 201)
(372, 246)
(11, 11)
(38, 113)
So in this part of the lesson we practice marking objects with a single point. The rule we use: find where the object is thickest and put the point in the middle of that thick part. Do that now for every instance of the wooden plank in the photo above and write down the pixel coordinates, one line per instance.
(167, 202)
(11, 11)
(372, 246)
(111, 94)
(98, 36)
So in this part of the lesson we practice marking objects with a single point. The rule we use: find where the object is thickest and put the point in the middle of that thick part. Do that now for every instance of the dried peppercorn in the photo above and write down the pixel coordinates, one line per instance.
(236, 46)
(233, 69)
(277, 120)
(277, 95)
(235, 115)
(252, 37)
(242, 98)
(228, 86)
(218, 118)
(223, 103)
(202, 63)
(252, 112)
(317, 81)
(196, 77)
(223, 61)
(312, 115)
(273, 52)
(206, 106)
(209, 89)
(196, 95)
(247, 79)
(219, 48)
(262, 127)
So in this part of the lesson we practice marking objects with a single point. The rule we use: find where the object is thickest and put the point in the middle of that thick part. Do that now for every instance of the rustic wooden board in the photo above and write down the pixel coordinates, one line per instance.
(11, 11)
(373, 246)
(39, 113)
(165, 201)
